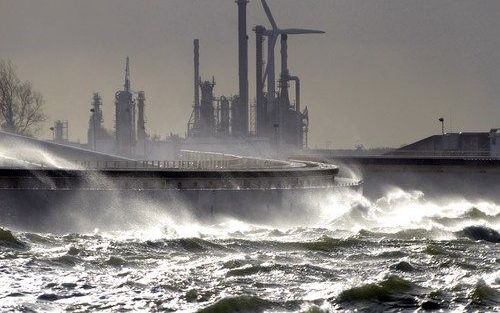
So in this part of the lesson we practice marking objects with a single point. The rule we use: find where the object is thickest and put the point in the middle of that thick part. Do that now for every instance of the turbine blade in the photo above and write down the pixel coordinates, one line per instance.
(299, 31)
(273, 42)
(269, 15)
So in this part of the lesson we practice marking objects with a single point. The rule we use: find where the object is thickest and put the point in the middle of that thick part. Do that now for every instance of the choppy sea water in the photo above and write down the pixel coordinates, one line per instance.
(399, 253)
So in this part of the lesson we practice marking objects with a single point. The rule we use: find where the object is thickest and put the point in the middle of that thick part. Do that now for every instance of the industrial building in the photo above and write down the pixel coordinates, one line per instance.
(129, 137)
(476, 144)
(224, 123)
(98, 137)
(278, 121)
(274, 118)
(60, 131)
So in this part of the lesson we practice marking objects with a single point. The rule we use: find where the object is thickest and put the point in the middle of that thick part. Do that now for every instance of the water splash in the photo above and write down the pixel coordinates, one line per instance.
(401, 210)
(24, 155)
(170, 260)
(341, 211)
(399, 214)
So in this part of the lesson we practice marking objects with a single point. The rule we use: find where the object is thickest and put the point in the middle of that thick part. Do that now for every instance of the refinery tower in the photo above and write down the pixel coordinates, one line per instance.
(273, 117)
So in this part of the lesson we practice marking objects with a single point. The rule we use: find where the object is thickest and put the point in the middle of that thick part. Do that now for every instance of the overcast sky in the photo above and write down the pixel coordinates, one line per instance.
(381, 75)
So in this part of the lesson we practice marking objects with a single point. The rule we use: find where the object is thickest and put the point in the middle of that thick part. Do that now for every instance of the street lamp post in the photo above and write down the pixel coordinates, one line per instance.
(53, 134)
(93, 129)
(441, 120)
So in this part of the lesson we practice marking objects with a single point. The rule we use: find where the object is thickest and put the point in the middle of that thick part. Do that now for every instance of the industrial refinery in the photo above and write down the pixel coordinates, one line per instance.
(236, 213)
(273, 123)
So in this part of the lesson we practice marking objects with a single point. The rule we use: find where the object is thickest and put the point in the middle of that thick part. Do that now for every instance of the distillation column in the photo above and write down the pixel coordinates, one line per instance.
(284, 100)
(242, 119)
(207, 113)
(95, 130)
(125, 117)
(224, 117)
(141, 121)
(291, 119)
(262, 128)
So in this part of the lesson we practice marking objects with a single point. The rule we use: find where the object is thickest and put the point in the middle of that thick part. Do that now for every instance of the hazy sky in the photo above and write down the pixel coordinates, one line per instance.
(381, 75)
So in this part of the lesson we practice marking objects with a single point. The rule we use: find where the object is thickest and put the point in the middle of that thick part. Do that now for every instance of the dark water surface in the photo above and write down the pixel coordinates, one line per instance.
(399, 253)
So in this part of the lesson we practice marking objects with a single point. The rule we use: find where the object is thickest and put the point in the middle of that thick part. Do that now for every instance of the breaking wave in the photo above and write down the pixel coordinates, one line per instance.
(238, 304)
(392, 289)
(480, 233)
(401, 252)
(7, 239)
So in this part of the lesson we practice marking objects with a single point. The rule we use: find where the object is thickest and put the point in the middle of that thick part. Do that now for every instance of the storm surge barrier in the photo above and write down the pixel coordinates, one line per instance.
(186, 160)
(192, 160)
(192, 170)
(206, 184)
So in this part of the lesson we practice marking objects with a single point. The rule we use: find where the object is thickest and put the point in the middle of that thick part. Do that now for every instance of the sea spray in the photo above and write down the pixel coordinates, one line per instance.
(402, 252)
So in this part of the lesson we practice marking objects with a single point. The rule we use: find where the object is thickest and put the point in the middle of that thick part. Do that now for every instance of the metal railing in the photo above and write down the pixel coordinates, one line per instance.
(187, 160)
(156, 165)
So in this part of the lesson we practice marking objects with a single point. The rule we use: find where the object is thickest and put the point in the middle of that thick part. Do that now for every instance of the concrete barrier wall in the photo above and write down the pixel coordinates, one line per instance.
(52, 179)
(472, 178)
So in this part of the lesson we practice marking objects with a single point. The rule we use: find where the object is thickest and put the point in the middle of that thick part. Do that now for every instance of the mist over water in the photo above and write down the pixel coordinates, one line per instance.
(399, 252)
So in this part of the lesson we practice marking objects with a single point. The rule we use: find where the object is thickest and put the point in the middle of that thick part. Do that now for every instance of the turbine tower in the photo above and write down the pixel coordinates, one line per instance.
(273, 35)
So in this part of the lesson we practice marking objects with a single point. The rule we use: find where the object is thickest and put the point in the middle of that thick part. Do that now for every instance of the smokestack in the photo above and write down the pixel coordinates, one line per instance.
(141, 121)
(261, 105)
(127, 76)
(284, 74)
(243, 63)
(284, 56)
(196, 79)
(284, 101)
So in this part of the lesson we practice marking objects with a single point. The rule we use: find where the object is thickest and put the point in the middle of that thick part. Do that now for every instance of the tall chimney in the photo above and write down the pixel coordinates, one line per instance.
(243, 63)
(127, 76)
(196, 80)
(141, 121)
(284, 56)
(284, 101)
(259, 71)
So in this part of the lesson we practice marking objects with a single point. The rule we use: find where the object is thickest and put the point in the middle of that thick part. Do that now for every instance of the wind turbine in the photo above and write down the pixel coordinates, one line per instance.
(273, 34)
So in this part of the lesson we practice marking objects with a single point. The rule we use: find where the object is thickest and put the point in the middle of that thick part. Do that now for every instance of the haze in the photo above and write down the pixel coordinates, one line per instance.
(381, 75)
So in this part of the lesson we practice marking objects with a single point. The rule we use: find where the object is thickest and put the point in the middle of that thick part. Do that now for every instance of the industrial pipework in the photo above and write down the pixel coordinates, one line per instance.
(275, 115)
